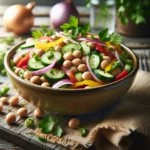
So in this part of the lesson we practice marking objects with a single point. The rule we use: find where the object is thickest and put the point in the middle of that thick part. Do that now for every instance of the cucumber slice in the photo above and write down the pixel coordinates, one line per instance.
(28, 45)
(70, 48)
(94, 61)
(85, 49)
(104, 76)
(34, 64)
(50, 56)
(78, 76)
(54, 75)
(128, 67)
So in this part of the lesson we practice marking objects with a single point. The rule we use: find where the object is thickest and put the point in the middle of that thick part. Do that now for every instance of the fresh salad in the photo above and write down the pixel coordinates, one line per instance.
(72, 58)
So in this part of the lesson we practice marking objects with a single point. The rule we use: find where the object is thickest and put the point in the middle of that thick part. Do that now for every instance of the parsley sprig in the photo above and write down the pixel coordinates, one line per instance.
(4, 91)
(48, 125)
(74, 26)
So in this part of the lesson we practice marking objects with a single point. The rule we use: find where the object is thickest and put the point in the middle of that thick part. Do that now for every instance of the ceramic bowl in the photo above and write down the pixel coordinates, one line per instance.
(71, 101)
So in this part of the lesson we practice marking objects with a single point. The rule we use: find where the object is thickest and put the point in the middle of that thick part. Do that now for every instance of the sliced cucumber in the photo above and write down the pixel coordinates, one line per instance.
(28, 45)
(70, 48)
(54, 75)
(78, 76)
(34, 64)
(104, 76)
(85, 48)
(128, 67)
(50, 56)
(94, 61)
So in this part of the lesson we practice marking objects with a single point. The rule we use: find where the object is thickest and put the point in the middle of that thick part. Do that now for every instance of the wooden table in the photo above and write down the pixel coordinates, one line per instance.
(139, 45)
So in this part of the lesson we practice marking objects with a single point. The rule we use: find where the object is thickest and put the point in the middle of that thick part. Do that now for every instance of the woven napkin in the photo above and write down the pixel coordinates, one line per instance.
(113, 127)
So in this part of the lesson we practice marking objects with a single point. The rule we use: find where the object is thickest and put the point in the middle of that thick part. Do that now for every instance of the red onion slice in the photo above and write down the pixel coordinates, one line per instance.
(23, 52)
(89, 68)
(41, 71)
(92, 40)
(118, 58)
(61, 82)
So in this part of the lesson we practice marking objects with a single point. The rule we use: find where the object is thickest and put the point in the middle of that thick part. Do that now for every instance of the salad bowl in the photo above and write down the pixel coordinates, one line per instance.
(71, 101)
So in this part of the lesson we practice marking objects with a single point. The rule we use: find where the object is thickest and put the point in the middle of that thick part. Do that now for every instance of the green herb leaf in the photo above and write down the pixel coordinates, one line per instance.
(58, 131)
(73, 21)
(85, 29)
(4, 91)
(116, 65)
(83, 131)
(116, 39)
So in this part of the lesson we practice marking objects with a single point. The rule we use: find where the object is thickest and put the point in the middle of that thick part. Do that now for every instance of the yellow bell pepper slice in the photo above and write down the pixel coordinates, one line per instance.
(46, 46)
(109, 66)
(118, 47)
(88, 83)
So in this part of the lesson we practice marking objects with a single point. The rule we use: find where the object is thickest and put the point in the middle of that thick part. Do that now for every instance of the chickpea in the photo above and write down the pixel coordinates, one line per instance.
(70, 31)
(27, 75)
(84, 59)
(86, 75)
(27, 80)
(45, 84)
(73, 69)
(68, 56)
(57, 48)
(38, 113)
(84, 42)
(88, 87)
(10, 118)
(74, 123)
(30, 40)
(104, 64)
(107, 58)
(82, 67)
(35, 80)
(17, 70)
(66, 41)
(77, 53)
(91, 45)
(39, 52)
(116, 71)
(67, 63)
(22, 112)
(1, 107)
(43, 79)
(3, 100)
(76, 61)
(14, 100)
(16, 59)
(96, 37)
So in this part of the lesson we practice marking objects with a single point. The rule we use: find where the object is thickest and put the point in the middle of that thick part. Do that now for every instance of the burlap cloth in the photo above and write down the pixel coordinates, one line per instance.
(112, 128)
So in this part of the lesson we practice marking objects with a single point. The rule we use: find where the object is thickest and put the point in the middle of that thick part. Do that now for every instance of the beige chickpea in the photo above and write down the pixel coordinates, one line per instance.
(4, 100)
(82, 67)
(43, 79)
(14, 100)
(73, 69)
(57, 48)
(68, 56)
(86, 75)
(74, 123)
(35, 80)
(66, 41)
(10, 118)
(38, 113)
(39, 52)
(104, 64)
(77, 53)
(16, 59)
(116, 71)
(107, 58)
(91, 45)
(76, 61)
(67, 63)
(27, 80)
(96, 37)
(28, 75)
(22, 112)
(84, 42)
(88, 87)
(84, 59)
(30, 40)
(70, 31)
(45, 84)
(1, 107)
(17, 70)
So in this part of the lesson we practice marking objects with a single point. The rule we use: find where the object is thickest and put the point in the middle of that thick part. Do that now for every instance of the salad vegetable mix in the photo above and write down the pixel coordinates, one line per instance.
(72, 58)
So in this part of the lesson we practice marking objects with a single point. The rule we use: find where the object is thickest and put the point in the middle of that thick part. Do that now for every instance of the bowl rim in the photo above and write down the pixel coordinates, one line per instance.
(108, 86)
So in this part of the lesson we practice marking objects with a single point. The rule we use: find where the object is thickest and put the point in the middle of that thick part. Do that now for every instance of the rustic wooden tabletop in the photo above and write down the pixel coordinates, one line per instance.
(140, 45)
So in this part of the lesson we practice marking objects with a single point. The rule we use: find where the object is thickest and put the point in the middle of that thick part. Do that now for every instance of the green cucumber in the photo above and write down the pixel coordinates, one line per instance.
(85, 48)
(70, 48)
(128, 67)
(34, 64)
(54, 75)
(94, 61)
(104, 76)
(50, 56)
(78, 76)
(27, 45)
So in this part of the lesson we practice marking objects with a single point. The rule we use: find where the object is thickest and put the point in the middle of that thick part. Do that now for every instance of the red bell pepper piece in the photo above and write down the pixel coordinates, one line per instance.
(24, 61)
(71, 76)
(121, 75)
